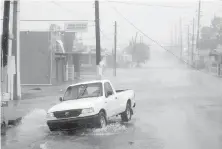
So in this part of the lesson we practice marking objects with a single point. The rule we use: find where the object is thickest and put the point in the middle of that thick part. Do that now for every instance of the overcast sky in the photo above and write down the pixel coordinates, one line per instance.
(154, 18)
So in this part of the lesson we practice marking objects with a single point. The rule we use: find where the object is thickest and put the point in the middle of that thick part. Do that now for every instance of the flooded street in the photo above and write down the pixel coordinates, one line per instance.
(128, 54)
(176, 108)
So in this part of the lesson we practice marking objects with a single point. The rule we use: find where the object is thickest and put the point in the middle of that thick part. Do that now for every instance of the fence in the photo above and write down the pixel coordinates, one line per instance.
(220, 73)
(69, 72)
(214, 69)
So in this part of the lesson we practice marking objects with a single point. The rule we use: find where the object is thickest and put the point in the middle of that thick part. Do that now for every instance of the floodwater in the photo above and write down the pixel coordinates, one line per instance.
(177, 108)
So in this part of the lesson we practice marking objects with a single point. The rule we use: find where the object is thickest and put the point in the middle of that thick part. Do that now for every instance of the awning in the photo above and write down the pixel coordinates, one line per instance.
(215, 52)
(61, 46)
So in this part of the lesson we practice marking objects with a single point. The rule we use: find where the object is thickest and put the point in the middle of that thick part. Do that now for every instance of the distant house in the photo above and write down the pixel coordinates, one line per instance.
(216, 61)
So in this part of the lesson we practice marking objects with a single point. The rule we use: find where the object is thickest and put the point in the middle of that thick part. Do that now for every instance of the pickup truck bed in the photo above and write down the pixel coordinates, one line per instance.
(117, 91)
(125, 95)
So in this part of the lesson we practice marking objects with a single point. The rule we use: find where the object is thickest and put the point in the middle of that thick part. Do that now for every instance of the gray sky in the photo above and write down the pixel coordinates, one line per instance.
(157, 22)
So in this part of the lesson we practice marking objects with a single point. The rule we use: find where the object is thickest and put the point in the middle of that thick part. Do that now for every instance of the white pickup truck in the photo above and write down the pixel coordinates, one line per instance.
(90, 103)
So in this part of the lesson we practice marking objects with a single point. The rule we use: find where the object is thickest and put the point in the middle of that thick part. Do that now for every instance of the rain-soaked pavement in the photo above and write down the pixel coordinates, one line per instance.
(177, 108)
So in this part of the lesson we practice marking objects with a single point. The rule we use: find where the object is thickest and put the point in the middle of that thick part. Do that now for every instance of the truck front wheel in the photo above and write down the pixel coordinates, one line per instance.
(52, 128)
(127, 114)
(102, 121)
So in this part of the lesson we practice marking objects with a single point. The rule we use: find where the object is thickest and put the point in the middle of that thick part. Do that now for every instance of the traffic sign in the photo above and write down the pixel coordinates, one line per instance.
(76, 27)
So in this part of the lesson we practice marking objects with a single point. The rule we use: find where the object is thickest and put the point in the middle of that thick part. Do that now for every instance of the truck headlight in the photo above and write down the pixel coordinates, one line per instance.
(87, 110)
(50, 115)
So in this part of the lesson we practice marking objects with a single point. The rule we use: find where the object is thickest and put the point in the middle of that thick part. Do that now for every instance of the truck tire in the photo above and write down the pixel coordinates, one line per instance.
(101, 121)
(127, 114)
(52, 128)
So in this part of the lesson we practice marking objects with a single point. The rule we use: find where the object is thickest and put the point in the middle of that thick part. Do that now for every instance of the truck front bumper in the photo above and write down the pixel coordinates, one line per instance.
(72, 123)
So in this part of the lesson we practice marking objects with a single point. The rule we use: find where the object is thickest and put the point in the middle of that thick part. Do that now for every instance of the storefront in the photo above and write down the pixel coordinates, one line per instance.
(216, 62)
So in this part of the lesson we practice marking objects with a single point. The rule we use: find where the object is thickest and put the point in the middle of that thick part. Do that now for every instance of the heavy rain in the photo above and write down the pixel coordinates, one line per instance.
(141, 74)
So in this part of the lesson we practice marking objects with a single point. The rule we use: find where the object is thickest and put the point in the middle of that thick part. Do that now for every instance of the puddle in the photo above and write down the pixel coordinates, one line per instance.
(33, 132)
(110, 129)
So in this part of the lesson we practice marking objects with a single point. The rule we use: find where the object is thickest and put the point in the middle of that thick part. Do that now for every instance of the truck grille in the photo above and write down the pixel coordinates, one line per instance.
(67, 113)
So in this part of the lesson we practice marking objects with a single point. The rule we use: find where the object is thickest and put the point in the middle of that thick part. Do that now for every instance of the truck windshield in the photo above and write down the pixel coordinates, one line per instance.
(83, 91)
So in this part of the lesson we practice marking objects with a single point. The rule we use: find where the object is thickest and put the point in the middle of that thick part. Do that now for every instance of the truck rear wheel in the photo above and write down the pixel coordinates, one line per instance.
(127, 114)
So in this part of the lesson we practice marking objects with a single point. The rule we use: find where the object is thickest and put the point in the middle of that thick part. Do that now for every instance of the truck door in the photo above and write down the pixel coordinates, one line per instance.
(111, 103)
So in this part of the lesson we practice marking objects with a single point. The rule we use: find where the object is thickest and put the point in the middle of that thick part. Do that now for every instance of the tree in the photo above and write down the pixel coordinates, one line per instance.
(139, 52)
(211, 36)
(208, 38)
(216, 24)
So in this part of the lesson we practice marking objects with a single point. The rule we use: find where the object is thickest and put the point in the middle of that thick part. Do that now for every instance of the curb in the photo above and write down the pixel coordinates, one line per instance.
(11, 123)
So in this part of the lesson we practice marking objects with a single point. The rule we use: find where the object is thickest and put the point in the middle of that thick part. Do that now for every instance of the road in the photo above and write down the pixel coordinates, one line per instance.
(177, 108)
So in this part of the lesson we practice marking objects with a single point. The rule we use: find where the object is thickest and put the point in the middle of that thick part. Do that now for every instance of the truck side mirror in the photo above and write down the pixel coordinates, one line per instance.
(60, 99)
(109, 93)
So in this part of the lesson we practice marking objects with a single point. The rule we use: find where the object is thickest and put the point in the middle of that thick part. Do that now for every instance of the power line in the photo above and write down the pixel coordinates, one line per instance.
(104, 35)
(59, 5)
(46, 20)
(69, 11)
(73, 1)
(55, 20)
(127, 20)
(55, 3)
(149, 5)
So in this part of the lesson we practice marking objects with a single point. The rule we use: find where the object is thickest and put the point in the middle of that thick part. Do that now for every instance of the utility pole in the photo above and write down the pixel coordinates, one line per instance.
(175, 36)
(114, 54)
(181, 39)
(135, 38)
(188, 40)
(4, 40)
(5, 34)
(171, 38)
(134, 46)
(97, 29)
(1, 73)
(141, 39)
(198, 27)
(192, 48)
(16, 50)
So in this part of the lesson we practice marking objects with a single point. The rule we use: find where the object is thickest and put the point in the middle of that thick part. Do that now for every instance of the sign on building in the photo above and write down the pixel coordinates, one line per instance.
(76, 27)
(4, 103)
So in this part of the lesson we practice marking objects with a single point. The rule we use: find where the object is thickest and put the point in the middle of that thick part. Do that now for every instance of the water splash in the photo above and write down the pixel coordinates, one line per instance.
(112, 129)
(33, 121)
(32, 128)
(44, 146)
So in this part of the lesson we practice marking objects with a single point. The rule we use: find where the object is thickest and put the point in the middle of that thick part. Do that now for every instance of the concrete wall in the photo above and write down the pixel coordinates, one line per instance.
(35, 58)
(4, 80)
